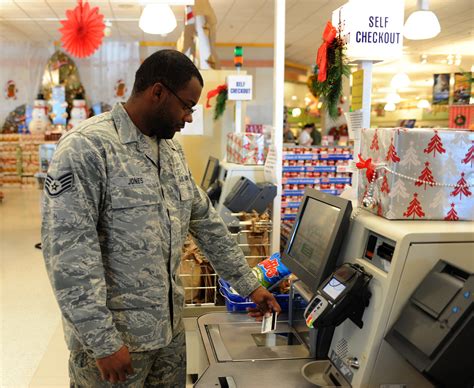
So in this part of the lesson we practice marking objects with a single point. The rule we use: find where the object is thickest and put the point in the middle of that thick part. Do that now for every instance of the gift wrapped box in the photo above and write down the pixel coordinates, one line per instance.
(419, 173)
(245, 148)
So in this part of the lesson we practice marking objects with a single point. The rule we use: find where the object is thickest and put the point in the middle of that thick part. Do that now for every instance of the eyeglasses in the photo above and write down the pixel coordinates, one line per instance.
(188, 109)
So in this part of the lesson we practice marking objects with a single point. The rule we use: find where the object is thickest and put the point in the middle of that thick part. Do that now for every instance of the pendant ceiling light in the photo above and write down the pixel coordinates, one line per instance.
(393, 97)
(424, 104)
(421, 24)
(400, 80)
(389, 107)
(157, 19)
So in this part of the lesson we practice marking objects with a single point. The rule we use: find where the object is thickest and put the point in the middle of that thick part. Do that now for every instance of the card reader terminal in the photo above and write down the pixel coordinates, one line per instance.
(344, 294)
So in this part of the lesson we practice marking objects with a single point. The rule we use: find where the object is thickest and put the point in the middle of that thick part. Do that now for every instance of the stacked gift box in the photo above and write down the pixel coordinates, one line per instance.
(421, 174)
(322, 168)
(246, 148)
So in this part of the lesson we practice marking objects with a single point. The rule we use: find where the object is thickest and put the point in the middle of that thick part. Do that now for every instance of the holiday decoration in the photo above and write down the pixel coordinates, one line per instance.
(245, 148)
(375, 142)
(460, 120)
(461, 188)
(411, 157)
(392, 153)
(40, 122)
(399, 191)
(198, 39)
(221, 99)
(15, 122)
(120, 89)
(83, 30)
(469, 156)
(450, 165)
(67, 76)
(331, 66)
(58, 102)
(461, 116)
(385, 187)
(414, 208)
(426, 177)
(434, 145)
(11, 90)
(368, 166)
(452, 214)
(79, 113)
(444, 176)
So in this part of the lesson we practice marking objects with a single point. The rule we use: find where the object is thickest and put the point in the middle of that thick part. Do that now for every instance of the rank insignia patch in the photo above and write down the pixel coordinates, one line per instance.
(56, 186)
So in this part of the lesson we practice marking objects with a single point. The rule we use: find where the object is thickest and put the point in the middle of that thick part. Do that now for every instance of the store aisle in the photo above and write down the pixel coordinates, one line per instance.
(32, 349)
(29, 314)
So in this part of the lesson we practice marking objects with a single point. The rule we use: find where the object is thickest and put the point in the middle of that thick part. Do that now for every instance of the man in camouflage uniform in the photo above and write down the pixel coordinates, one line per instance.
(119, 203)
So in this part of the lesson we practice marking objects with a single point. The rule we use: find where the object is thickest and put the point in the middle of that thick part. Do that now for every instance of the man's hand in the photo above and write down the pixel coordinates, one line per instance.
(116, 367)
(265, 301)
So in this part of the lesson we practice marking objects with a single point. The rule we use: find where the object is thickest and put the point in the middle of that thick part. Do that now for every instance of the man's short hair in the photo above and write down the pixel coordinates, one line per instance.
(168, 66)
(309, 125)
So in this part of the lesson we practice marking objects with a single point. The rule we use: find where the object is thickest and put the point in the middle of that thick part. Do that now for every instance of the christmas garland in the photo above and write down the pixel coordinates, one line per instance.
(221, 99)
(331, 66)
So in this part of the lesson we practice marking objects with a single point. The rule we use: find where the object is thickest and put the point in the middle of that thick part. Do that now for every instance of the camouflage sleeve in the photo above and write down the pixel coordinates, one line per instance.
(219, 246)
(74, 190)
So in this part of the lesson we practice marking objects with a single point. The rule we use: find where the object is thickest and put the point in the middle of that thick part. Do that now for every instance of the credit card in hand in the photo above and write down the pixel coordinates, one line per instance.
(269, 322)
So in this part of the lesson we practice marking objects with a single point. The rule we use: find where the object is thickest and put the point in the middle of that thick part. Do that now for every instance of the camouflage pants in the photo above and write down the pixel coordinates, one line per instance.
(164, 368)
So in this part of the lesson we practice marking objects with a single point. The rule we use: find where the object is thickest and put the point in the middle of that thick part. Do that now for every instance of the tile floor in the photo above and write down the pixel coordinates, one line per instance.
(32, 349)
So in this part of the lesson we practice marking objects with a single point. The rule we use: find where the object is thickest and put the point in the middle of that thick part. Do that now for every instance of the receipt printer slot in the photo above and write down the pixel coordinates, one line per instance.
(435, 293)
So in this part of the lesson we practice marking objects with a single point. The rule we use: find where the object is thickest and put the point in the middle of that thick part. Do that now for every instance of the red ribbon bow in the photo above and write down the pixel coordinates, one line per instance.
(215, 92)
(361, 164)
(329, 35)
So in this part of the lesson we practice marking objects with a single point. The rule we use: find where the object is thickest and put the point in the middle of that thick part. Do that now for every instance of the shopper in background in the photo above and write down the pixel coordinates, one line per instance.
(305, 139)
(119, 203)
(288, 136)
(315, 135)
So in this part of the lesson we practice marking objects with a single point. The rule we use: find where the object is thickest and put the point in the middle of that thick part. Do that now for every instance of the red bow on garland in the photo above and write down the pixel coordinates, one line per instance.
(361, 164)
(215, 92)
(329, 35)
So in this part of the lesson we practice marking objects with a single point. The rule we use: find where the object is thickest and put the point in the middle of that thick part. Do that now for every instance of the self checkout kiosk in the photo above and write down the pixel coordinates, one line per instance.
(234, 188)
(388, 304)
(220, 178)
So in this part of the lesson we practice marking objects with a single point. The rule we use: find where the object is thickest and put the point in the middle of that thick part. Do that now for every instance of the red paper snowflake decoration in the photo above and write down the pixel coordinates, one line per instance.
(83, 30)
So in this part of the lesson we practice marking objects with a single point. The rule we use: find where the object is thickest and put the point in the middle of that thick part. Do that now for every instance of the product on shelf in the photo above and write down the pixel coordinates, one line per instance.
(19, 158)
(324, 168)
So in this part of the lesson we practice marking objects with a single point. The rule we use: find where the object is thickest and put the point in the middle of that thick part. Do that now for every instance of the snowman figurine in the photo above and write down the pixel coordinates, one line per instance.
(79, 112)
(40, 120)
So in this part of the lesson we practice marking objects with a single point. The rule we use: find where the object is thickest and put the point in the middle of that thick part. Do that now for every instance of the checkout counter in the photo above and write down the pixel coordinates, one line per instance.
(408, 321)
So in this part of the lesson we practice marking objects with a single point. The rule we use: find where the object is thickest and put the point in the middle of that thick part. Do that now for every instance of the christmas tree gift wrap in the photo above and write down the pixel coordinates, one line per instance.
(245, 148)
(418, 173)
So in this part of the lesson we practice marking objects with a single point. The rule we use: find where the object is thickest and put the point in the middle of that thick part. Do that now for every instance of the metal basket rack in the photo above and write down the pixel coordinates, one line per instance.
(200, 280)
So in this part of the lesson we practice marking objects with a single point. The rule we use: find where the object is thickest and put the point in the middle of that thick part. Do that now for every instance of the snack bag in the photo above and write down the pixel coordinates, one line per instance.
(270, 271)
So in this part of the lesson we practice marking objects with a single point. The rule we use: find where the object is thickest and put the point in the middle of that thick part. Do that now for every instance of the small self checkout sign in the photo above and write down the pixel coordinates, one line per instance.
(239, 87)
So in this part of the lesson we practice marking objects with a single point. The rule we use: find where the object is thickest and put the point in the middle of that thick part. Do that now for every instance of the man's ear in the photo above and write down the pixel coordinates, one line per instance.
(157, 90)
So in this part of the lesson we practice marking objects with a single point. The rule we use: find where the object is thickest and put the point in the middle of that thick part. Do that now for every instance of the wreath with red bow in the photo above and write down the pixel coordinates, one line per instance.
(221, 98)
(331, 66)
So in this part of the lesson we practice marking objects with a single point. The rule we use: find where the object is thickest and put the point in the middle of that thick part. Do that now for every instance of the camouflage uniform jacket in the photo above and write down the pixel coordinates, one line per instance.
(114, 223)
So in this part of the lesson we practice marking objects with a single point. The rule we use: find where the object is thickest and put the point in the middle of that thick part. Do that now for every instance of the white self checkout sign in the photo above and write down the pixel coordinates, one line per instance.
(239, 87)
(373, 29)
